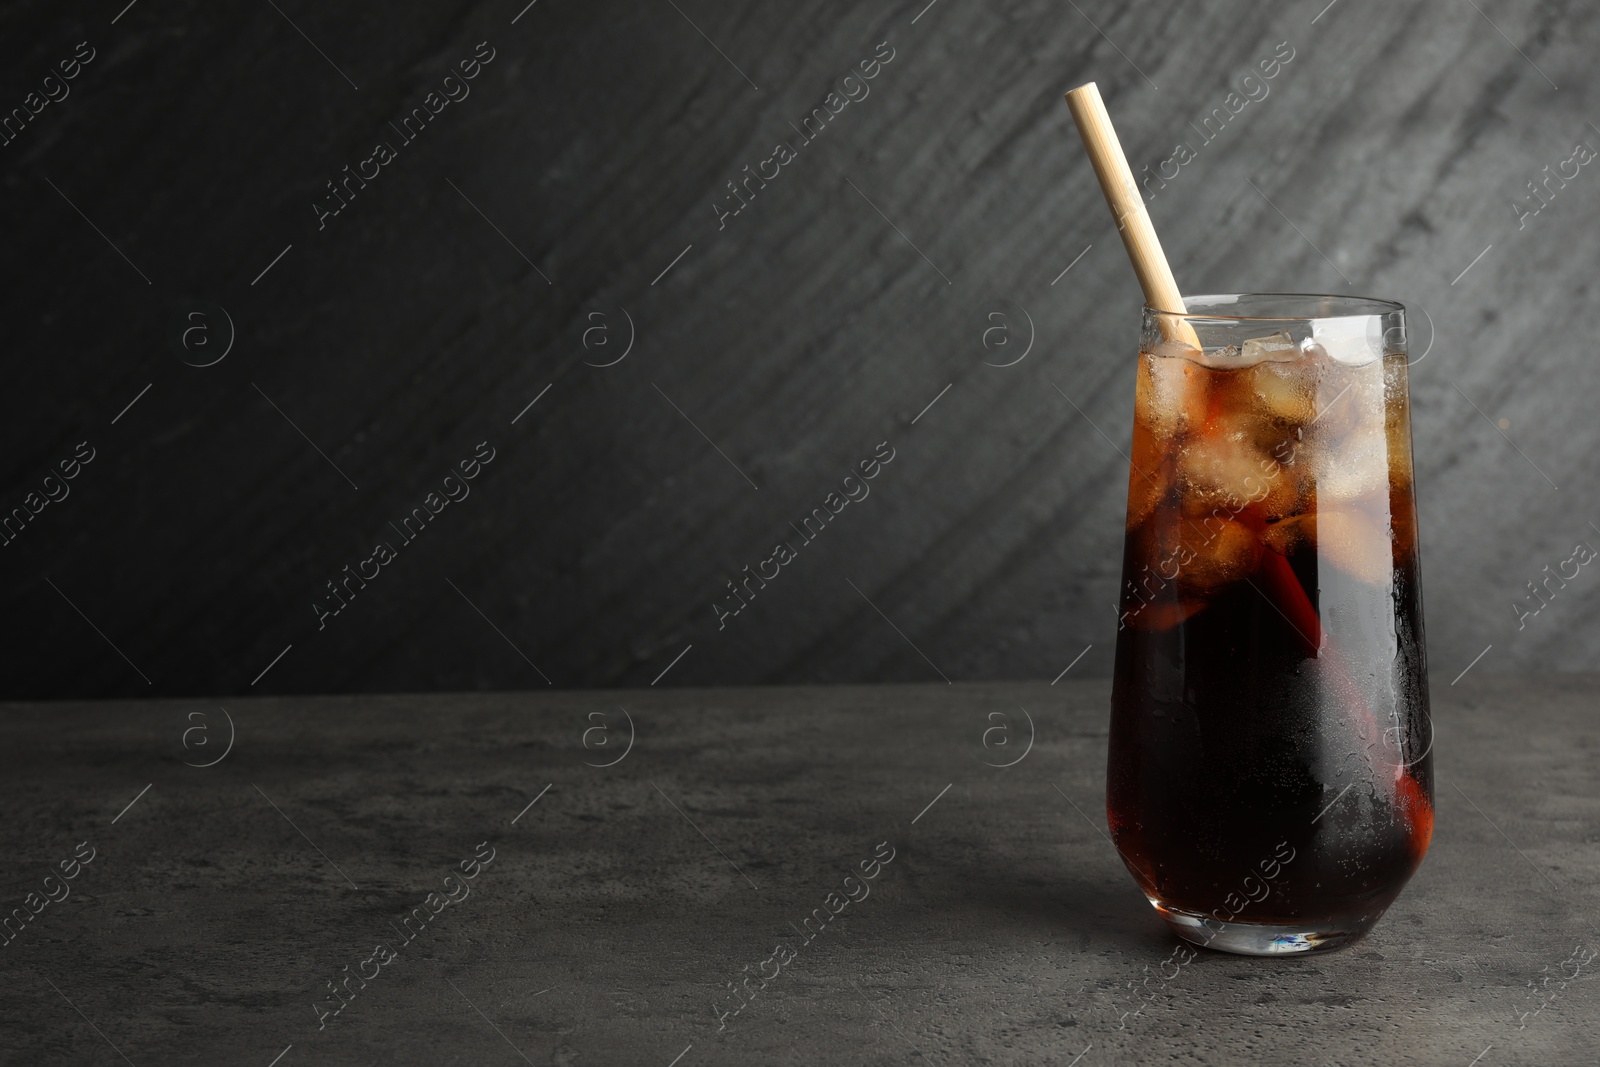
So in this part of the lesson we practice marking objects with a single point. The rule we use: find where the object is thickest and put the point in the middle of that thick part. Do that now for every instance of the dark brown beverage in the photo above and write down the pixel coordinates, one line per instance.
(1270, 782)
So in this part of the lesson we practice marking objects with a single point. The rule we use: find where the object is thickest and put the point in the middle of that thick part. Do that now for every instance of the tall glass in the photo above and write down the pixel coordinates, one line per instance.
(1270, 783)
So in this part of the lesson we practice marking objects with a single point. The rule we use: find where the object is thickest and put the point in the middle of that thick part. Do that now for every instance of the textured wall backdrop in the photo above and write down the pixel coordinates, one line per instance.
(558, 230)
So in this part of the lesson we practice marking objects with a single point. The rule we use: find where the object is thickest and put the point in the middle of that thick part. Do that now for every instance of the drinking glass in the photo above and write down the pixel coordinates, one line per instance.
(1270, 782)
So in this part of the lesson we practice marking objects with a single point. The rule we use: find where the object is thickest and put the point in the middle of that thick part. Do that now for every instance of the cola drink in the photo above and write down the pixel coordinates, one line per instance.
(1270, 775)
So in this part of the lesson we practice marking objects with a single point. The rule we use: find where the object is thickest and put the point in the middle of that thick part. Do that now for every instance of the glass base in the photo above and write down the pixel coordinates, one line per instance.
(1264, 939)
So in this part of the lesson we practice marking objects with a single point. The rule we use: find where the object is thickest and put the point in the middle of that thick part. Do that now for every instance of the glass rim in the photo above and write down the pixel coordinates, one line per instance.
(1340, 306)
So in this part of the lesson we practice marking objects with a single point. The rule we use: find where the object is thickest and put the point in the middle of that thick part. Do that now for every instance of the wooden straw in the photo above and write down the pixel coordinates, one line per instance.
(1127, 206)
(1161, 293)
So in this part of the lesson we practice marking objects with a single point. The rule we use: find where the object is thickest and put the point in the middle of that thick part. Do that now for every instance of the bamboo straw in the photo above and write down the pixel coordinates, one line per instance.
(1162, 294)
(1127, 206)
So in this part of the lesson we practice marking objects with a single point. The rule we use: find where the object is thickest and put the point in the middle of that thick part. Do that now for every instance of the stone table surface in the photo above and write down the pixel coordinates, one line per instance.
(219, 902)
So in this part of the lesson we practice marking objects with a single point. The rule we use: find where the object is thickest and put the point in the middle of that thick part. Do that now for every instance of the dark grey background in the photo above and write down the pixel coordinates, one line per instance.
(820, 322)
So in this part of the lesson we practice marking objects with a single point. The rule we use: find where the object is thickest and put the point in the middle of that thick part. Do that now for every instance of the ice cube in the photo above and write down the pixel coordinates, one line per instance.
(1225, 357)
(1221, 469)
(1170, 349)
(1312, 352)
(1153, 600)
(1150, 477)
(1170, 394)
(1346, 538)
(1287, 490)
(1275, 348)
(1351, 465)
(1348, 397)
(1213, 552)
(1352, 339)
(1352, 542)
(1284, 537)
(1285, 393)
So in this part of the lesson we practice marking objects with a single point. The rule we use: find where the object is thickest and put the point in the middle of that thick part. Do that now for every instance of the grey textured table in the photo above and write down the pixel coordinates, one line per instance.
(221, 903)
